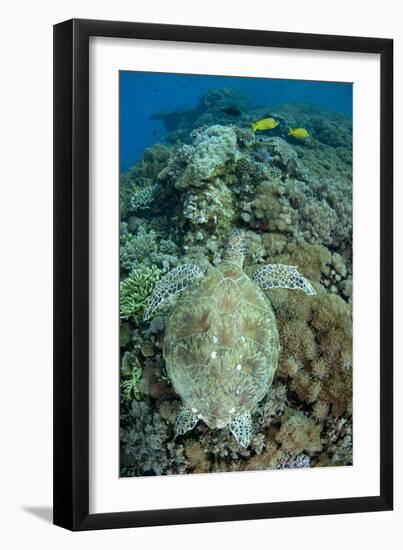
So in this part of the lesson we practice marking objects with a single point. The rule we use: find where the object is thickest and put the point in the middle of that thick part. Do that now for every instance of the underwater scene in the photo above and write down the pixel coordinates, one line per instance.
(235, 274)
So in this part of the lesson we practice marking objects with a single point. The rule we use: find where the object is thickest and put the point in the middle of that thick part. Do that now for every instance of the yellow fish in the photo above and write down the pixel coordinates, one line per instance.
(264, 124)
(298, 133)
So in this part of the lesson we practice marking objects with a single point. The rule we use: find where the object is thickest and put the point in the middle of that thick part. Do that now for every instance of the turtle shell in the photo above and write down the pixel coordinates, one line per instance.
(221, 346)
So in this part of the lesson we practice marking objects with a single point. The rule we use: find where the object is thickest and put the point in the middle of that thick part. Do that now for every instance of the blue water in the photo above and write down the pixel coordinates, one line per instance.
(143, 94)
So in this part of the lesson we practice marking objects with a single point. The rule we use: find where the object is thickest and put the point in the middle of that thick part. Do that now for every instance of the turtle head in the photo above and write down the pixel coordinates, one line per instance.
(218, 422)
(235, 249)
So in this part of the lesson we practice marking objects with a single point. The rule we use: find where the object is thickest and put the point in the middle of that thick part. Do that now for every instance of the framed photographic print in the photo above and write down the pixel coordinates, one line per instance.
(223, 274)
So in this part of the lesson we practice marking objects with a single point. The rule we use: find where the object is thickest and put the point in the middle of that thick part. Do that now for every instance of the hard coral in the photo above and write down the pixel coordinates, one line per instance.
(143, 249)
(146, 449)
(270, 210)
(214, 146)
(143, 198)
(299, 433)
(141, 175)
(135, 291)
(293, 200)
(130, 374)
(197, 456)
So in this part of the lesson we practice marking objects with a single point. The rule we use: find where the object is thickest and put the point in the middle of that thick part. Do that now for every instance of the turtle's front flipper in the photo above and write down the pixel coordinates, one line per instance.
(241, 427)
(282, 276)
(185, 421)
(172, 283)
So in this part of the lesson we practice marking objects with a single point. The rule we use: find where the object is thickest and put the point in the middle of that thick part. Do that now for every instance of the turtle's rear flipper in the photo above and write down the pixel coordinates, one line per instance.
(172, 283)
(185, 421)
(241, 427)
(282, 276)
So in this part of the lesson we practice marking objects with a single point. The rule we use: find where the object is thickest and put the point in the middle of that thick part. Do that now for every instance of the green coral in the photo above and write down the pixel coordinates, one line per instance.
(135, 291)
(130, 374)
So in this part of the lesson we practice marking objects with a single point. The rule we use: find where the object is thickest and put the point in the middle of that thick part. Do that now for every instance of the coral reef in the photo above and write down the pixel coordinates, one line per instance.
(290, 207)
(142, 199)
(130, 374)
(299, 433)
(145, 248)
(214, 146)
(135, 291)
(145, 450)
(293, 200)
(141, 176)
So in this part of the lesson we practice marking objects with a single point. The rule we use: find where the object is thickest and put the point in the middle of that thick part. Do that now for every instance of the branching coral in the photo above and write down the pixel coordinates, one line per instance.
(290, 207)
(146, 449)
(130, 374)
(143, 198)
(337, 276)
(315, 335)
(331, 320)
(136, 249)
(300, 461)
(142, 175)
(337, 440)
(269, 458)
(143, 249)
(176, 164)
(135, 291)
(197, 456)
(313, 260)
(273, 405)
(319, 222)
(297, 338)
(299, 433)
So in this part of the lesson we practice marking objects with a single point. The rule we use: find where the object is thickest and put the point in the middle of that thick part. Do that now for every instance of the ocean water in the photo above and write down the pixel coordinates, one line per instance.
(143, 94)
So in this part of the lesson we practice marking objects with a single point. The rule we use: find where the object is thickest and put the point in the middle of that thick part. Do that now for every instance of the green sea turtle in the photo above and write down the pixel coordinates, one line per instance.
(221, 342)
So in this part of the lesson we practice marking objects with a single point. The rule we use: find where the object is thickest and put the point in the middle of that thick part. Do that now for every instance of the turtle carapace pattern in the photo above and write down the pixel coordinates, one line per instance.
(221, 342)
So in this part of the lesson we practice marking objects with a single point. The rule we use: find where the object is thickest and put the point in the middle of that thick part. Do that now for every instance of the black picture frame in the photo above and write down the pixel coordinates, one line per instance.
(71, 274)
